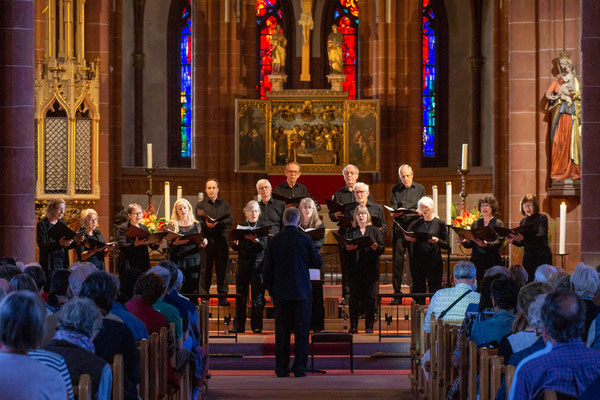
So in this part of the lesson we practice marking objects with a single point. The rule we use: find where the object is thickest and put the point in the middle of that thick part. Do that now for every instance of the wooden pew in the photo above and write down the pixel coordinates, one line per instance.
(463, 367)
(155, 370)
(163, 359)
(509, 374)
(144, 350)
(84, 389)
(118, 373)
(472, 362)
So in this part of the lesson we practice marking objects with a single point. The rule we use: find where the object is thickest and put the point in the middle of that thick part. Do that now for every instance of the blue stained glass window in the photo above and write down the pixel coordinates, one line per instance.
(186, 82)
(429, 81)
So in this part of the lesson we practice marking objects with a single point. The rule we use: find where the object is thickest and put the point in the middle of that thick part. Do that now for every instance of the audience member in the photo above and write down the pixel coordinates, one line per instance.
(543, 272)
(519, 274)
(166, 309)
(450, 304)
(560, 280)
(497, 270)
(80, 320)
(523, 334)
(8, 261)
(59, 288)
(22, 329)
(504, 292)
(8, 271)
(136, 326)
(24, 282)
(58, 364)
(127, 280)
(5, 288)
(565, 364)
(585, 284)
(37, 274)
(114, 337)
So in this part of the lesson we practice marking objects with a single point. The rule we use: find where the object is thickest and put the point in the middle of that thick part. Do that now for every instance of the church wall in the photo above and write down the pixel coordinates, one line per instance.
(128, 109)
(487, 89)
(535, 39)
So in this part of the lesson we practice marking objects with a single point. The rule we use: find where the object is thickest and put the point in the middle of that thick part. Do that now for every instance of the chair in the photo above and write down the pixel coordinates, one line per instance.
(144, 370)
(331, 337)
(84, 390)
(118, 388)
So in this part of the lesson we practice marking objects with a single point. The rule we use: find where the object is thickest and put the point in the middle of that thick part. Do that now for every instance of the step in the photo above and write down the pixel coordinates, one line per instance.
(322, 362)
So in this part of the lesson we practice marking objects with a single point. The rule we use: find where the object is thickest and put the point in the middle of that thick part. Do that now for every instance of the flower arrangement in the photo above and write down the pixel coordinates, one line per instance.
(153, 223)
(466, 219)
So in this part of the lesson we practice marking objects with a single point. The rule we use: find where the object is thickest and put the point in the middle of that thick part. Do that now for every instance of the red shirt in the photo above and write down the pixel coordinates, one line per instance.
(152, 319)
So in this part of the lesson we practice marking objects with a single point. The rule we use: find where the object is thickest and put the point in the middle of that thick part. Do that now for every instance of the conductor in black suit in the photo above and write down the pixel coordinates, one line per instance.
(289, 255)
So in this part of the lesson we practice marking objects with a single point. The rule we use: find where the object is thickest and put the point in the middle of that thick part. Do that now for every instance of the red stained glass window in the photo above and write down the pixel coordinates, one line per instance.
(346, 18)
(269, 19)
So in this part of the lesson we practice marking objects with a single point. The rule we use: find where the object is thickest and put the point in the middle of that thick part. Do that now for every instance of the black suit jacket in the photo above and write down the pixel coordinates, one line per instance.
(289, 255)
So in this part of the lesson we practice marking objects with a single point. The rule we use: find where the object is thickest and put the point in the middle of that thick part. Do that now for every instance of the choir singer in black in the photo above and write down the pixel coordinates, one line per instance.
(405, 194)
(291, 187)
(133, 253)
(425, 258)
(215, 216)
(271, 210)
(361, 195)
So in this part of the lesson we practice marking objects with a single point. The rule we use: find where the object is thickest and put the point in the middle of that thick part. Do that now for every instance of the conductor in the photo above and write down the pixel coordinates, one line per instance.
(289, 255)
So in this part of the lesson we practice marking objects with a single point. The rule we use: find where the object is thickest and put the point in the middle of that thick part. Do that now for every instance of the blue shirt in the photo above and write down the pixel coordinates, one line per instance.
(568, 368)
(136, 326)
(492, 329)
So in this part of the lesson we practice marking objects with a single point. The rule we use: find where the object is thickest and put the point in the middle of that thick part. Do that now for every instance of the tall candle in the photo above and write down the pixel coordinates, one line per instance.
(388, 12)
(167, 200)
(226, 11)
(465, 152)
(448, 203)
(434, 191)
(149, 154)
(563, 228)
(179, 192)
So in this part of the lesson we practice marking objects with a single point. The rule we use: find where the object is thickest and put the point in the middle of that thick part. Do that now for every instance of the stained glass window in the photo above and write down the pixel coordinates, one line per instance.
(269, 19)
(345, 16)
(186, 80)
(430, 111)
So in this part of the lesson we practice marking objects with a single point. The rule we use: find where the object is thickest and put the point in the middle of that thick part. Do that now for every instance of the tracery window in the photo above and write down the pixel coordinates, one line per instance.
(344, 14)
(180, 84)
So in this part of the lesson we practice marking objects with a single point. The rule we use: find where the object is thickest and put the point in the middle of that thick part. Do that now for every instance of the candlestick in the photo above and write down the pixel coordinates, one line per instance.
(563, 228)
(179, 192)
(149, 155)
(463, 193)
(465, 153)
(149, 172)
(167, 200)
(448, 203)
(434, 192)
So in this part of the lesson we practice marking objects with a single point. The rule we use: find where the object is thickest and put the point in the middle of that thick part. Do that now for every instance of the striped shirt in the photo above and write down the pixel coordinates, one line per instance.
(443, 298)
(57, 363)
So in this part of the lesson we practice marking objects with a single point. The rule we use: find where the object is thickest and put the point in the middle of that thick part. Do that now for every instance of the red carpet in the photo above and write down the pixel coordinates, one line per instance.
(329, 372)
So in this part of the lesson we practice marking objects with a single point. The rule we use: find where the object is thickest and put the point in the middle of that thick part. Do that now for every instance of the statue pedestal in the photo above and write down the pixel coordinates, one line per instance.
(336, 81)
(277, 81)
(566, 188)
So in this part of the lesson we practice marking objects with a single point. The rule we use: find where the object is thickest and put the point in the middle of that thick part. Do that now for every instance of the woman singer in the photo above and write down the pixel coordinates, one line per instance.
(53, 254)
(363, 268)
(536, 250)
(309, 219)
(426, 256)
(251, 251)
(133, 253)
(485, 254)
(89, 222)
(183, 253)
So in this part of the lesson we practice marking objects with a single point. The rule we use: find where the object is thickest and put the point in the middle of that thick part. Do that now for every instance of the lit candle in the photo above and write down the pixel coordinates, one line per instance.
(179, 192)
(563, 228)
(167, 200)
(465, 152)
(435, 199)
(448, 203)
(149, 154)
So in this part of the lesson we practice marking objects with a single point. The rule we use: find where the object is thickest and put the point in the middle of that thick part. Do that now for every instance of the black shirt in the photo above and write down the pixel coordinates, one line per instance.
(344, 196)
(435, 227)
(214, 209)
(97, 258)
(251, 254)
(406, 197)
(374, 209)
(131, 256)
(488, 256)
(283, 189)
(365, 258)
(181, 251)
(271, 214)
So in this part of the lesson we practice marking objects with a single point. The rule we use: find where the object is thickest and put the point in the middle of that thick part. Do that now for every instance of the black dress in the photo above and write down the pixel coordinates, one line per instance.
(249, 274)
(131, 256)
(52, 255)
(363, 268)
(317, 316)
(187, 258)
(486, 257)
(97, 258)
(536, 250)
(426, 258)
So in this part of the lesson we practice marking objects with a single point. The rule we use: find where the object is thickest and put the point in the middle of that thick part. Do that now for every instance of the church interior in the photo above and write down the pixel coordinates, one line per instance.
(146, 102)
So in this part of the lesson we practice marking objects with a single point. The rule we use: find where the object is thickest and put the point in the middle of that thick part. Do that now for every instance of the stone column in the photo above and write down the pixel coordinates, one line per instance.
(590, 165)
(17, 182)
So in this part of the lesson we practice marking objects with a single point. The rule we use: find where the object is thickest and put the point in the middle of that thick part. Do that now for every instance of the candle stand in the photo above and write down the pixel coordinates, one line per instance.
(448, 227)
(149, 172)
(463, 191)
(562, 259)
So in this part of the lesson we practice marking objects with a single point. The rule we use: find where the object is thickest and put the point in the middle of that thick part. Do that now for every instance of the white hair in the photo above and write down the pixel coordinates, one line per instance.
(543, 272)
(361, 184)
(348, 166)
(585, 281)
(162, 272)
(403, 166)
(260, 181)
(534, 314)
(425, 202)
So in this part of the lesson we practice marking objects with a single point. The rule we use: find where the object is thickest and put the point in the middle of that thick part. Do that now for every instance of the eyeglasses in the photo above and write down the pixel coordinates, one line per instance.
(360, 191)
(137, 213)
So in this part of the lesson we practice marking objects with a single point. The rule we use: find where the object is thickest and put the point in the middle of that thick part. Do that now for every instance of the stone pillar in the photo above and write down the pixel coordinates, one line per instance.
(590, 166)
(17, 182)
